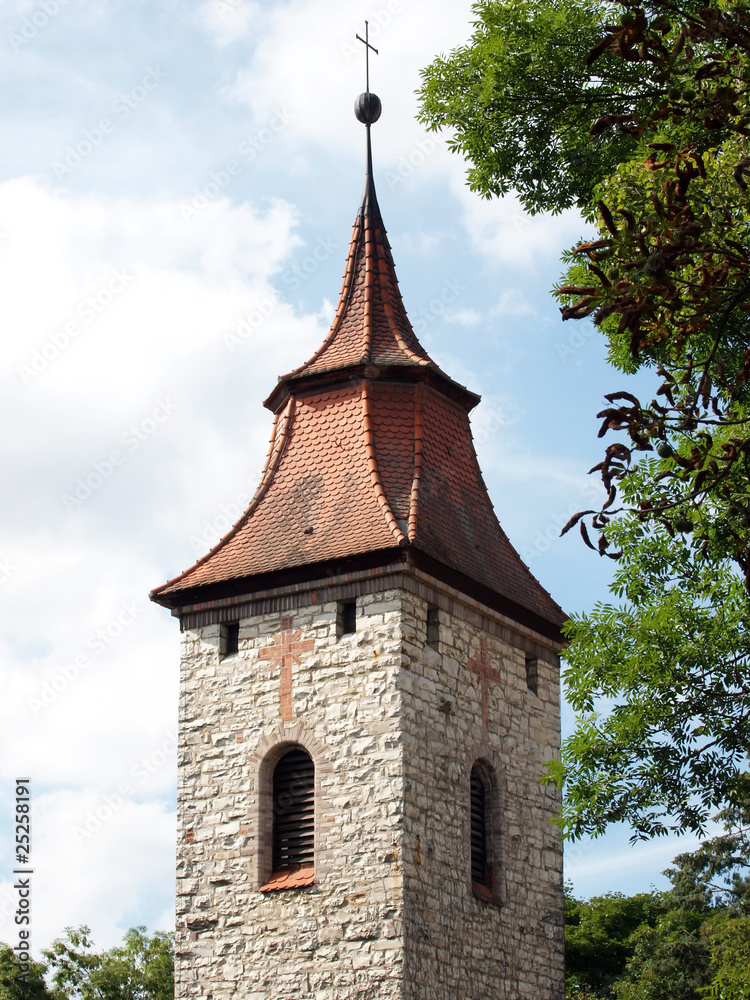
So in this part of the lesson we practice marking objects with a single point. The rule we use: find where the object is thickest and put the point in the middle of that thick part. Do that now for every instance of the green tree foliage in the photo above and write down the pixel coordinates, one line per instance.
(519, 100)
(729, 941)
(12, 986)
(670, 664)
(670, 961)
(639, 115)
(142, 968)
(598, 938)
(689, 943)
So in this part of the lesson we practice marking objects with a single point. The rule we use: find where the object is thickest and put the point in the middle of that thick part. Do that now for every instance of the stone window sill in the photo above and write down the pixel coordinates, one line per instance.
(290, 878)
(484, 893)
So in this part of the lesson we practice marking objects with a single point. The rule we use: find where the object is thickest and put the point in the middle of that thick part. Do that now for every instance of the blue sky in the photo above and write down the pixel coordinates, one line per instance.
(178, 182)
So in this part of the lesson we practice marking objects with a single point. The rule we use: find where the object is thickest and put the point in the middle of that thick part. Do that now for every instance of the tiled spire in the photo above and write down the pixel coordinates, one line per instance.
(370, 326)
(371, 461)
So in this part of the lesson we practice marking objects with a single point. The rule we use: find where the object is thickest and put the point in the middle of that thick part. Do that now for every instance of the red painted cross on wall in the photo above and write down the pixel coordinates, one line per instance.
(285, 649)
(486, 674)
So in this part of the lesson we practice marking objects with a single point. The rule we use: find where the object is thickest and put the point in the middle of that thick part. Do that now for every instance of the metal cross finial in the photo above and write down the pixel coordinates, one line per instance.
(366, 42)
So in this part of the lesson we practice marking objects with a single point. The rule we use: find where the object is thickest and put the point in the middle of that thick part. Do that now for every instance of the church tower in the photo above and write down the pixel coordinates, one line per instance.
(369, 693)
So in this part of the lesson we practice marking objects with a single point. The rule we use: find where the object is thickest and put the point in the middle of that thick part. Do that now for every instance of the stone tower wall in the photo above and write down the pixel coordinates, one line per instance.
(393, 727)
(458, 945)
(340, 938)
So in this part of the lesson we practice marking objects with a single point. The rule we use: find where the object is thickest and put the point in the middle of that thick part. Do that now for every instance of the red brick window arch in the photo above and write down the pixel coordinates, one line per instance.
(481, 794)
(293, 820)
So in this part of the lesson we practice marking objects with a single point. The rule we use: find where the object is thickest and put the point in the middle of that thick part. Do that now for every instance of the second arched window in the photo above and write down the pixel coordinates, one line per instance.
(480, 819)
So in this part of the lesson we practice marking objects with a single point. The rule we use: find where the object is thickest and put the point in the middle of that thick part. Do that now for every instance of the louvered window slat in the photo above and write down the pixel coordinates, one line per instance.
(294, 831)
(479, 873)
(294, 810)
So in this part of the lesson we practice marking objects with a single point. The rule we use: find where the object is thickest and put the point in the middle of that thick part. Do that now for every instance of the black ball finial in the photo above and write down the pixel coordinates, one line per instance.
(367, 108)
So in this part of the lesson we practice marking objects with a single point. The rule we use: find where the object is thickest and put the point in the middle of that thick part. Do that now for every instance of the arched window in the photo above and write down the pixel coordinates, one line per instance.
(480, 794)
(293, 831)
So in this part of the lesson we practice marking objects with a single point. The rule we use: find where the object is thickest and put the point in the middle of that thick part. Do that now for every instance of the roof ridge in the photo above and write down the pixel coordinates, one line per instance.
(372, 464)
(367, 319)
(418, 448)
(272, 465)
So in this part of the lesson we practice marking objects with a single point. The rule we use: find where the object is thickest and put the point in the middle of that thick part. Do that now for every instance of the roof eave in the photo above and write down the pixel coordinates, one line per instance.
(180, 596)
(548, 626)
(297, 384)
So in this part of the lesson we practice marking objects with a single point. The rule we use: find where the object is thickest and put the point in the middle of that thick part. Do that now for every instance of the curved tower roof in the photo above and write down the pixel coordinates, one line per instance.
(371, 460)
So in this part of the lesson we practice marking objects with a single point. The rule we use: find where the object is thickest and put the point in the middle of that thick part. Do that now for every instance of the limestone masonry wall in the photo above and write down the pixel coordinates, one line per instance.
(457, 945)
(393, 726)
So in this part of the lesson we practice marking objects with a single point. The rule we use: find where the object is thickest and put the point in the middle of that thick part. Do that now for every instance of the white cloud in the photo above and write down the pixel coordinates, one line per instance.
(422, 243)
(513, 302)
(463, 317)
(228, 21)
(505, 235)
(490, 422)
(172, 364)
(25, 22)
(99, 859)
(310, 41)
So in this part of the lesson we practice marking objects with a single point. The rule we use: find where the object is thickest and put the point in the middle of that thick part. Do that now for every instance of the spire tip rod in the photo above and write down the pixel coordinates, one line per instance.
(366, 42)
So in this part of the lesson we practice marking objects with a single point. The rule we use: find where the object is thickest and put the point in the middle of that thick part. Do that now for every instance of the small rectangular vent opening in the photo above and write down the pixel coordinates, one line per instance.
(347, 617)
(532, 674)
(230, 638)
(433, 627)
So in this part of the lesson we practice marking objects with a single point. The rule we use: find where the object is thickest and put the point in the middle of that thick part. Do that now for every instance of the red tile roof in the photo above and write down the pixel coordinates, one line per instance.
(371, 450)
(370, 325)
